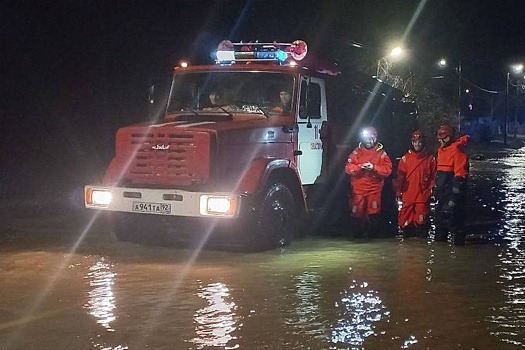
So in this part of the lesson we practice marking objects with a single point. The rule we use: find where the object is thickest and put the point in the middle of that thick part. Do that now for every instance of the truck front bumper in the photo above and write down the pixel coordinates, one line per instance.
(162, 202)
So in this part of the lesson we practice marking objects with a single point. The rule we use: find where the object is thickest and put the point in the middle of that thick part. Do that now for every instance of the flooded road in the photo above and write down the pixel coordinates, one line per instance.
(65, 283)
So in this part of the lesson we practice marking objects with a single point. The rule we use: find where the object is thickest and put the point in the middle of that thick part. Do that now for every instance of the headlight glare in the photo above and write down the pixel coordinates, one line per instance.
(102, 197)
(217, 205)
(98, 197)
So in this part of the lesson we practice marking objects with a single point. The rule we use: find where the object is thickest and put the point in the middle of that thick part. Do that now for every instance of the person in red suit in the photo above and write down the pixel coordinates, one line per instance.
(413, 184)
(451, 183)
(368, 166)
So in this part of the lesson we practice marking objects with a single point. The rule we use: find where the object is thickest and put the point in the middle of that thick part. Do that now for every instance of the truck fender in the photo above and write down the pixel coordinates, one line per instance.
(258, 173)
(264, 170)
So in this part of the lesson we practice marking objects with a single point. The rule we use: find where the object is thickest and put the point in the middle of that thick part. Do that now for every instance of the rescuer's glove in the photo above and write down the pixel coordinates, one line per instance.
(458, 188)
(448, 209)
(367, 166)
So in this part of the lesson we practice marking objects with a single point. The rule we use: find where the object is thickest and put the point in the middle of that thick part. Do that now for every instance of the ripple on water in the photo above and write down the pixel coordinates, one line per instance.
(509, 319)
(217, 321)
(101, 301)
(361, 308)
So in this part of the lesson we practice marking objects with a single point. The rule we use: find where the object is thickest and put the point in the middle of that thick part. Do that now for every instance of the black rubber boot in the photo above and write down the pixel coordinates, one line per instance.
(441, 235)
(359, 228)
(409, 231)
(422, 230)
(376, 226)
(459, 238)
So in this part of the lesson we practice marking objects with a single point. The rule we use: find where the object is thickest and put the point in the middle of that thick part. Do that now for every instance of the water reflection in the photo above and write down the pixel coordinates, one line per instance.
(101, 302)
(361, 308)
(430, 263)
(307, 315)
(510, 317)
(217, 321)
(409, 342)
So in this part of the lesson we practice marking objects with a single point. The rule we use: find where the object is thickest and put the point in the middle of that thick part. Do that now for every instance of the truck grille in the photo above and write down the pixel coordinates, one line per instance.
(170, 158)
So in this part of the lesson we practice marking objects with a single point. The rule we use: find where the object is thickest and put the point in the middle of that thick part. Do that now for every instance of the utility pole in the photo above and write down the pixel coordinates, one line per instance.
(459, 95)
(516, 69)
(516, 109)
(506, 111)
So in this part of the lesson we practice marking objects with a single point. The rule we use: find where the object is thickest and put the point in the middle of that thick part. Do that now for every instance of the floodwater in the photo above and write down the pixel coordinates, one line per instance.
(71, 286)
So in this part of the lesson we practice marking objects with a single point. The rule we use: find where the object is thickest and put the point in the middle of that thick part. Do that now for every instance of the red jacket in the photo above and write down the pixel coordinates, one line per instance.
(416, 174)
(452, 158)
(368, 181)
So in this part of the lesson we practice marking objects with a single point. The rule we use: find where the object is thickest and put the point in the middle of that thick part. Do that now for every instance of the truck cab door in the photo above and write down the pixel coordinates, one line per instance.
(312, 113)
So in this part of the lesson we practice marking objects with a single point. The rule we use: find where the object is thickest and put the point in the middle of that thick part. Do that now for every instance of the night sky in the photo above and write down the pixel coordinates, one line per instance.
(74, 71)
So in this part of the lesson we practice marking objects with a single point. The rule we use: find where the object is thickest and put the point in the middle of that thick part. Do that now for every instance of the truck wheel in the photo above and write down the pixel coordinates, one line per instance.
(277, 220)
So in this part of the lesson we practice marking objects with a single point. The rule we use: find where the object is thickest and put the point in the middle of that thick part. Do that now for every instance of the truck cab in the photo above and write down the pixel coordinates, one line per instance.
(237, 149)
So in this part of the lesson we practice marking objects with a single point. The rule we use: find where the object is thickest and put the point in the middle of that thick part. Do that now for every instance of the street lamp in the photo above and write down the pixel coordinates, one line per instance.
(396, 53)
(385, 64)
(516, 69)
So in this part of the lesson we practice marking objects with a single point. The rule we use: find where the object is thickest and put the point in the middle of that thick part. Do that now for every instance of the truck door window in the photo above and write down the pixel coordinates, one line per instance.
(310, 101)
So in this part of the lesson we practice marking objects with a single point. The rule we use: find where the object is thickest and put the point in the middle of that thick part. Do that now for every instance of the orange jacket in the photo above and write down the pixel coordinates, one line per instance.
(452, 158)
(416, 174)
(368, 181)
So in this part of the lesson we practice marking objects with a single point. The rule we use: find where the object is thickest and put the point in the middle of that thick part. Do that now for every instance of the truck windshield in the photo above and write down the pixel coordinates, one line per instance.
(232, 92)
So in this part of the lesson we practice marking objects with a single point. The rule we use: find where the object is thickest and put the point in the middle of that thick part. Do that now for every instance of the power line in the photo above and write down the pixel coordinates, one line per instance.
(483, 89)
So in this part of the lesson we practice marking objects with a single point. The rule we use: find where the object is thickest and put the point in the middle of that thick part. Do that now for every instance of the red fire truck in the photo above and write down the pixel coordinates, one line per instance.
(241, 146)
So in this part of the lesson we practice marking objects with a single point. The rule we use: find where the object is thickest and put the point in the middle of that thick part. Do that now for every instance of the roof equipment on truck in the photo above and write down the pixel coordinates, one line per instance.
(281, 53)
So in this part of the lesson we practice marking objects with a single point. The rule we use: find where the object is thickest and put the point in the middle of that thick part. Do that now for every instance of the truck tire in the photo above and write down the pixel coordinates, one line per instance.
(277, 219)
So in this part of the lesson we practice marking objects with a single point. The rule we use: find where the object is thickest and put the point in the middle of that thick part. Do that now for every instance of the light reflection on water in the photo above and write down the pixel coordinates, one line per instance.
(360, 308)
(101, 300)
(509, 318)
(307, 313)
(216, 322)
(430, 262)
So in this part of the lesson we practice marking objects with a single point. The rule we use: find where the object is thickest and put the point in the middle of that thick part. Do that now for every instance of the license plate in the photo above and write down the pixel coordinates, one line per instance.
(154, 208)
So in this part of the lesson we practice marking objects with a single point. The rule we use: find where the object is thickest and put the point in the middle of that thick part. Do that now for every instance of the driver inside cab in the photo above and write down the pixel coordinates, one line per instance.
(285, 101)
(216, 99)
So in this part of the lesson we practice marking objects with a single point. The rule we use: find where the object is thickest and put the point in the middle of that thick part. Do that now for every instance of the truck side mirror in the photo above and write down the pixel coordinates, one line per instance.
(151, 92)
(151, 100)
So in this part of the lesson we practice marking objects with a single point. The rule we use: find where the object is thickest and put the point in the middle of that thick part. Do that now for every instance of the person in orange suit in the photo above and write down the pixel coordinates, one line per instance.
(413, 184)
(368, 166)
(451, 182)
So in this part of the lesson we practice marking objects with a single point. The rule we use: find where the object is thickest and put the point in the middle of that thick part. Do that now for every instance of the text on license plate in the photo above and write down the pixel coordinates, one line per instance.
(155, 208)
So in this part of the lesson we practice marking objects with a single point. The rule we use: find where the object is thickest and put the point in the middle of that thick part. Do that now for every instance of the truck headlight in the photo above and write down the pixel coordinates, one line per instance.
(217, 205)
(98, 197)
